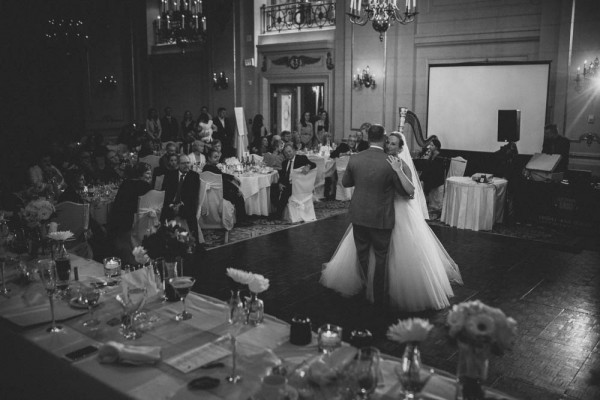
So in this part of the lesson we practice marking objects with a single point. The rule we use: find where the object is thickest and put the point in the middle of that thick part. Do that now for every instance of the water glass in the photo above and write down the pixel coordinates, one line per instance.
(364, 372)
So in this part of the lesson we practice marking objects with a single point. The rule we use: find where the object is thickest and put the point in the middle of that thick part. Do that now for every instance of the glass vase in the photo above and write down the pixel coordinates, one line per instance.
(63, 265)
(170, 271)
(472, 371)
(236, 307)
(409, 370)
(256, 309)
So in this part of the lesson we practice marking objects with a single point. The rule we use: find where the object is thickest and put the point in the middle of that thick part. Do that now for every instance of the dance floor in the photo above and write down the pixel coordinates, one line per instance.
(552, 293)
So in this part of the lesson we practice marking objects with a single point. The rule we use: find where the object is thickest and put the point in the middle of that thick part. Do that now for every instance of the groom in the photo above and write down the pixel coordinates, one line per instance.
(372, 207)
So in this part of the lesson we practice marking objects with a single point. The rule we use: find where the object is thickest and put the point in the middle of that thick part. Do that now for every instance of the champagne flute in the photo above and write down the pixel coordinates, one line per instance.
(90, 297)
(182, 286)
(364, 371)
(47, 271)
(236, 319)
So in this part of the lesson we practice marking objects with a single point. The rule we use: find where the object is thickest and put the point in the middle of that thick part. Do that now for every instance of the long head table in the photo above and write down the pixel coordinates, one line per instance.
(37, 357)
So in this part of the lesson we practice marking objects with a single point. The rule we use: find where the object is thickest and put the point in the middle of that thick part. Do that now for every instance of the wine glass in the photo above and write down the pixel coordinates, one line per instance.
(364, 371)
(90, 297)
(47, 271)
(236, 318)
(182, 286)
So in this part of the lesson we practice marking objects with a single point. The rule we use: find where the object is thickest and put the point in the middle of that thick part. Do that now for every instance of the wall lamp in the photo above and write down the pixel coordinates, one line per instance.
(364, 78)
(220, 81)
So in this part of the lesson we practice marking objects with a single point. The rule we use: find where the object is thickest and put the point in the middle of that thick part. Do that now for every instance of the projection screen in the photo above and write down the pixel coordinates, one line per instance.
(464, 100)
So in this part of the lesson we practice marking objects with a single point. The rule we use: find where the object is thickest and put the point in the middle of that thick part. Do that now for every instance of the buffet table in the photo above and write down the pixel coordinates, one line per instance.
(186, 349)
(473, 205)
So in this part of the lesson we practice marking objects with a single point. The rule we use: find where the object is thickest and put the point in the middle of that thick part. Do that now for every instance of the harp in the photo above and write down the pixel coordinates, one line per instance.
(410, 118)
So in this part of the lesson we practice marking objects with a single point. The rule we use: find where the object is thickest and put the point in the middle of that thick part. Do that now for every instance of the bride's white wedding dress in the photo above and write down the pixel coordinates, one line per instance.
(419, 269)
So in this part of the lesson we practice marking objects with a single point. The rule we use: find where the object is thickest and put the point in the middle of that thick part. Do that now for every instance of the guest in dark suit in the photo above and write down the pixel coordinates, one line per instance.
(292, 161)
(361, 143)
(345, 148)
(182, 188)
(231, 187)
(120, 218)
(75, 181)
(170, 127)
(372, 206)
(225, 132)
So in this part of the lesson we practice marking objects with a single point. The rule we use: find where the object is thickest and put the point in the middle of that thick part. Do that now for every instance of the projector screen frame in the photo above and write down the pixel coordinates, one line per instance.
(531, 148)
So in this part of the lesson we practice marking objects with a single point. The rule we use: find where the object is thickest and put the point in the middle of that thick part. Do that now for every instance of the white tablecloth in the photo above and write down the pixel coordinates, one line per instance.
(472, 205)
(256, 189)
(325, 169)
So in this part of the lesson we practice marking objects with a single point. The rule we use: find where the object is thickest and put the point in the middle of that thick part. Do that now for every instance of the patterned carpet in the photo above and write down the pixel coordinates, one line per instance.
(263, 225)
(553, 236)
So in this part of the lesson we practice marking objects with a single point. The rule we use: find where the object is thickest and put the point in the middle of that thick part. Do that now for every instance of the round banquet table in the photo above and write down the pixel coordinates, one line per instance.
(473, 205)
(256, 189)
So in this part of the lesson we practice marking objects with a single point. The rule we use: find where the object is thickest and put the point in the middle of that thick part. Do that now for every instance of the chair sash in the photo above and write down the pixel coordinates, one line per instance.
(300, 204)
(214, 211)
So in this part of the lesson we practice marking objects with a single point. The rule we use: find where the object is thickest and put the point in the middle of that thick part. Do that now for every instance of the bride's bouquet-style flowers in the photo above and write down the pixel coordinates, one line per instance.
(256, 283)
(233, 161)
(477, 324)
(409, 330)
(60, 236)
(37, 212)
(141, 255)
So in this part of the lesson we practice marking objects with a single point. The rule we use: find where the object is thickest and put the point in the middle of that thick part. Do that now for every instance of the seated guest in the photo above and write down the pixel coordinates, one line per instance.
(292, 161)
(217, 146)
(45, 177)
(124, 207)
(231, 187)
(172, 165)
(260, 146)
(182, 187)
(556, 144)
(345, 149)
(144, 147)
(85, 164)
(197, 154)
(170, 149)
(75, 181)
(308, 141)
(361, 143)
(286, 136)
(274, 158)
(113, 170)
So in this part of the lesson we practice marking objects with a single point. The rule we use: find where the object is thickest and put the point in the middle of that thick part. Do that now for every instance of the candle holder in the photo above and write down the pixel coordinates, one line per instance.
(330, 338)
(112, 269)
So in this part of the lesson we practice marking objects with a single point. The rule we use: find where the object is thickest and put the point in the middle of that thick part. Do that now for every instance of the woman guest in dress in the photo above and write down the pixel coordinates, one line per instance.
(322, 125)
(305, 131)
(153, 126)
(419, 269)
(258, 130)
(275, 157)
(188, 130)
(120, 219)
(197, 157)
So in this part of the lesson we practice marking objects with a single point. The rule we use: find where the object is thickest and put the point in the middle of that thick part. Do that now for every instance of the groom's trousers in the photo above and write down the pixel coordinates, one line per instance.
(379, 239)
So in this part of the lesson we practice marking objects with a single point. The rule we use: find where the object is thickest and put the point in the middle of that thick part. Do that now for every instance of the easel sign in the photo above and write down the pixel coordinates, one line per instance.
(242, 139)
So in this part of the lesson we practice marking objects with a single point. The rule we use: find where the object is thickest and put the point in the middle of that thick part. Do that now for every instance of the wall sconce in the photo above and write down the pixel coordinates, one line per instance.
(589, 138)
(108, 82)
(221, 81)
(590, 71)
(364, 78)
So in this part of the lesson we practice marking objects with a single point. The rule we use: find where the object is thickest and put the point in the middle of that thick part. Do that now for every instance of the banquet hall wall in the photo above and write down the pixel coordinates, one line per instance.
(55, 94)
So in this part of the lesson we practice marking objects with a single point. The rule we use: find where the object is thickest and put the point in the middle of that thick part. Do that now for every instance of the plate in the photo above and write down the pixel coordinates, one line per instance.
(290, 394)
(75, 303)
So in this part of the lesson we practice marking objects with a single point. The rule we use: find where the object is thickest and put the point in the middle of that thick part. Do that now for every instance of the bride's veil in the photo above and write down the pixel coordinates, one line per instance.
(419, 194)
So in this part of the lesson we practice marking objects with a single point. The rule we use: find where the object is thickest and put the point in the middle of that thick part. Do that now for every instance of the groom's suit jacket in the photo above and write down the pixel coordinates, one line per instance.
(375, 183)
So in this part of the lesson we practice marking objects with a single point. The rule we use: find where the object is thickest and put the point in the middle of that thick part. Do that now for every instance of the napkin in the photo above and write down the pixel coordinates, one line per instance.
(143, 277)
(112, 352)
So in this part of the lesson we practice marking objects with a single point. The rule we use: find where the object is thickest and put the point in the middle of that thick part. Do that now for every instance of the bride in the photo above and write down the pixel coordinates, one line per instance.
(419, 269)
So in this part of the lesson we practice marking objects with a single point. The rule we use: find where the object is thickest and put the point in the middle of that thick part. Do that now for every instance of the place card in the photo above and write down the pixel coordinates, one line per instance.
(195, 358)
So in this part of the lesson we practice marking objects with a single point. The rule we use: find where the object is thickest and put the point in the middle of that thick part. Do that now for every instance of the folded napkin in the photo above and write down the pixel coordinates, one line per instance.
(113, 352)
(143, 277)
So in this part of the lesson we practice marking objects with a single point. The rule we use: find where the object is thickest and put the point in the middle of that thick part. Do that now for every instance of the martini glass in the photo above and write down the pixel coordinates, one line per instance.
(182, 286)
(47, 270)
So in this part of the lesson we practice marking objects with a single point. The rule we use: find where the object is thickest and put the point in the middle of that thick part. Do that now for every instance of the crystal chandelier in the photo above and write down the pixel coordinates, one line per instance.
(383, 13)
(180, 22)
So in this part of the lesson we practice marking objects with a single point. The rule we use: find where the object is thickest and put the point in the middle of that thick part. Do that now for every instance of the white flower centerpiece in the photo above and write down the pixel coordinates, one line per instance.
(479, 330)
(411, 332)
(256, 283)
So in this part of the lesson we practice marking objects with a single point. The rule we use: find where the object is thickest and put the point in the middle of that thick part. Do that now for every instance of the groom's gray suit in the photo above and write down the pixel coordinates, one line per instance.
(372, 210)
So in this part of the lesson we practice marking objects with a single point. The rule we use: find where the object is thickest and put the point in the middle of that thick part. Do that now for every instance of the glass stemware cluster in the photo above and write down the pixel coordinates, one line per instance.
(132, 300)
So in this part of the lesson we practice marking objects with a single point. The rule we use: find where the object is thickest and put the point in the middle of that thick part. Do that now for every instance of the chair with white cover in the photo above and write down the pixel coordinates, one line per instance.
(256, 158)
(214, 212)
(75, 217)
(300, 204)
(341, 192)
(458, 165)
(158, 181)
(151, 159)
(147, 218)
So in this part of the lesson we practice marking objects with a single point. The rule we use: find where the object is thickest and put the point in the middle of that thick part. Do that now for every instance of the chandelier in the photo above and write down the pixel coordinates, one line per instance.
(590, 71)
(364, 78)
(180, 22)
(383, 13)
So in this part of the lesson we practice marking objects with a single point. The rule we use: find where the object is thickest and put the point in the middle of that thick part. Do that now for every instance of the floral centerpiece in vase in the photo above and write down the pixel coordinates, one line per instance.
(169, 244)
(411, 332)
(35, 217)
(479, 330)
(255, 308)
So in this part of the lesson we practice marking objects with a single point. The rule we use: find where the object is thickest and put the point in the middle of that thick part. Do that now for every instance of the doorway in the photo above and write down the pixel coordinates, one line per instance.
(291, 100)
